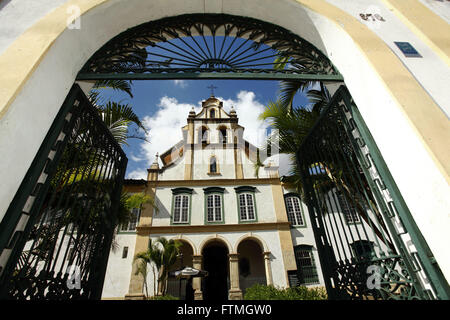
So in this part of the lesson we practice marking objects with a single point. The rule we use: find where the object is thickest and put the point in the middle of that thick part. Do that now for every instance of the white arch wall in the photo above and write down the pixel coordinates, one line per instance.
(231, 240)
(24, 125)
(17, 16)
(118, 273)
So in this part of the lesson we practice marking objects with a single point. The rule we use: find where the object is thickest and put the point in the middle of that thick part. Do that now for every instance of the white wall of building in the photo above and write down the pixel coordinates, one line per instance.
(118, 272)
(305, 236)
(232, 239)
(263, 202)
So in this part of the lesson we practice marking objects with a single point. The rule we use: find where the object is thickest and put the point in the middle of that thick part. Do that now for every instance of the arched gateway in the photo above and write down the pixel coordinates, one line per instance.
(199, 46)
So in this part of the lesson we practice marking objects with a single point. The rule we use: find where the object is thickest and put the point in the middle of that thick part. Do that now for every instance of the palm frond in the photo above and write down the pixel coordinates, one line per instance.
(117, 85)
(288, 90)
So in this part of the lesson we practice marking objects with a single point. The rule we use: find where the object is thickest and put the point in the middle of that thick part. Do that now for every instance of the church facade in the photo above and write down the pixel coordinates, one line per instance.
(241, 226)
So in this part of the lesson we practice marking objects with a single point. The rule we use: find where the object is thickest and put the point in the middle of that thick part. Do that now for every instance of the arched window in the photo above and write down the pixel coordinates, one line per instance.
(212, 113)
(214, 204)
(294, 210)
(223, 135)
(213, 165)
(181, 205)
(348, 209)
(246, 203)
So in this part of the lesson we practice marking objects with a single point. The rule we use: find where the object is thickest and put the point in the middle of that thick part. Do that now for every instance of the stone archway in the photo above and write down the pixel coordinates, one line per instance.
(48, 68)
(252, 269)
(177, 287)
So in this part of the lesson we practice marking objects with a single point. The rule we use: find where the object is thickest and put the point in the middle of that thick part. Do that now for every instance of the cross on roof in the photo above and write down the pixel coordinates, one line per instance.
(212, 89)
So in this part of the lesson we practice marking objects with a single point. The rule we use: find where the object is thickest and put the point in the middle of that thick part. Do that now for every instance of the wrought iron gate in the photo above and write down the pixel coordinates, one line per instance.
(56, 235)
(368, 243)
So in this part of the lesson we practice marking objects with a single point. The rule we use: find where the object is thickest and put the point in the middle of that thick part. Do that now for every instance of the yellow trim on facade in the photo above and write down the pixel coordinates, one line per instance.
(428, 26)
(214, 182)
(23, 56)
(278, 203)
(135, 288)
(134, 188)
(146, 229)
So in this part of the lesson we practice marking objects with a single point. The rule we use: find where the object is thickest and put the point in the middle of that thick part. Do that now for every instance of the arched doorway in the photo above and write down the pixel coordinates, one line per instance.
(212, 62)
(251, 264)
(215, 262)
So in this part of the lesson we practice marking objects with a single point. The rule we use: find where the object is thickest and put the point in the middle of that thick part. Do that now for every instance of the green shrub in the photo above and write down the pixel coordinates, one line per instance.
(263, 292)
(165, 297)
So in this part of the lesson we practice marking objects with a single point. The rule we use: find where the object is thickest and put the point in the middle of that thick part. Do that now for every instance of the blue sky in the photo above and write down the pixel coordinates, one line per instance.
(163, 106)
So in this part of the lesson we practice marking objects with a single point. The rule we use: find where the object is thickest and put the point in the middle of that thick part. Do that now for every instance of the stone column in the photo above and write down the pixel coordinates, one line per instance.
(197, 281)
(235, 292)
(268, 268)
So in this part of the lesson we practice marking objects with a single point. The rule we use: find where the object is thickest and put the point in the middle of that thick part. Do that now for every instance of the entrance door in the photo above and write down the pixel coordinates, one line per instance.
(215, 261)
(56, 235)
(369, 245)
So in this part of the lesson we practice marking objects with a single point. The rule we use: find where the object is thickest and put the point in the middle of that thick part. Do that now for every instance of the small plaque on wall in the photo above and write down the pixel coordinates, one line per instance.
(407, 49)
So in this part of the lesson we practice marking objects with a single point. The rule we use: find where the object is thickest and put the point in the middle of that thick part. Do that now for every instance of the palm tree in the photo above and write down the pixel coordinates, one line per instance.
(162, 255)
(117, 116)
(170, 250)
(294, 125)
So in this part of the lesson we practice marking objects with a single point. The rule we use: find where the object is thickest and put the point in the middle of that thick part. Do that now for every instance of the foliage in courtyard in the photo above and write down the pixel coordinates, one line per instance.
(264, 292)
(293, 125)
(160, 255)
(129, 201)
(118, 118)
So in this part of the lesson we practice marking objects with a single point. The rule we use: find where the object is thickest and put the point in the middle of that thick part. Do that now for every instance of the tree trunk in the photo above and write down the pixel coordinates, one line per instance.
(161, 281)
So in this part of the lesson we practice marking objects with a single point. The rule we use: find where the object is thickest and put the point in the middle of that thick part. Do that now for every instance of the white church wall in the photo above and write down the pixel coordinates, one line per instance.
(305, 236)
(175, 171)
(225, 163)
(231, 239)
(263, 202)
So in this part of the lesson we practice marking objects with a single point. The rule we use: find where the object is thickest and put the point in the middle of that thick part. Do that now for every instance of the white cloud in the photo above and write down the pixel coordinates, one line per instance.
(248, 109)
(136, 159)
(164, 127)
(180, 83)
(137, 174)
